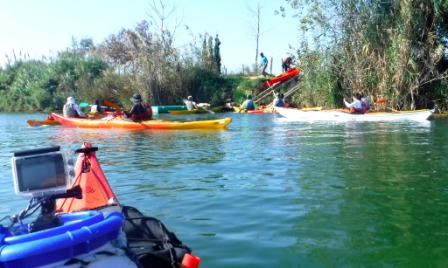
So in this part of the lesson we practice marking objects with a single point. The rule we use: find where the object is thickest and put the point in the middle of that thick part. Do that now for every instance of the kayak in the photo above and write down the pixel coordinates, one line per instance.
(119, 122)
(50, 121)
(336, 115)
(98, 195)
(57, 239)
(282, 77)
(195, 111)
(37, 123)
(166, 108)
(85, 225)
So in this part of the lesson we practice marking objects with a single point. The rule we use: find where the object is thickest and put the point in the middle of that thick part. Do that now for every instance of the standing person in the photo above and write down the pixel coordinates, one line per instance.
(248, 104)
(286, 63)
(191, 105)
(71, 109)
(357, 106)
(264, 64)
(141, 111)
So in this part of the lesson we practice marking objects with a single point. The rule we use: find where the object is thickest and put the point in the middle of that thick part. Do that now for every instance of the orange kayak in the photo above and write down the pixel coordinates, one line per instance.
(283, 76)
(118, 122)
(37, 123)
(96, 191)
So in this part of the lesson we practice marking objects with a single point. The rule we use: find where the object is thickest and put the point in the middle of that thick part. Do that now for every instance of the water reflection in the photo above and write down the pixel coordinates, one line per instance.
(272, 193)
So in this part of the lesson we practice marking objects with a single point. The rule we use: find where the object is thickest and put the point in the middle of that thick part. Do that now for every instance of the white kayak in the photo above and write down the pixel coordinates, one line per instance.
(335, 115)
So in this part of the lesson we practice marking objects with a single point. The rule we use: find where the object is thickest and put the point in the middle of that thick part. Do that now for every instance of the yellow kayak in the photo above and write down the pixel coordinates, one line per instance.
(118, 122)
(195, 111)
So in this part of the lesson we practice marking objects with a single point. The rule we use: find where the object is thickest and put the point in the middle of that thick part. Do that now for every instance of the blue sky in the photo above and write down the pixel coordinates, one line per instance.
(45, 27)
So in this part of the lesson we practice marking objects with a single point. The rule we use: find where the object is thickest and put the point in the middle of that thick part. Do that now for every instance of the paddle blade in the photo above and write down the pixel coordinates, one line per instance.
(380, 101)
(83, 104)
(111, 104)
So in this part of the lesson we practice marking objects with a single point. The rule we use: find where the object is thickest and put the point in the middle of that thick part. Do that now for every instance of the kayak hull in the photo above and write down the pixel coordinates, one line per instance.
(118, 122)
(282, 77)
(334, 115)
(38, 123)
(195, 111)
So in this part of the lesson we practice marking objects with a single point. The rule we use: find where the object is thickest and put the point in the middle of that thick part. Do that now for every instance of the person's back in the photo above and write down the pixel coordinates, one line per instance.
(278, 100)
(366, 102)
(140, 111)
(249, 104)
(71, 109)
(191, 105)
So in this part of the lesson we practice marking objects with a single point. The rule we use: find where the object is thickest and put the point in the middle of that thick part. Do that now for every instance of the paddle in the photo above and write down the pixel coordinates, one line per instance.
(83, 104)
(380, 101)
(113, 105)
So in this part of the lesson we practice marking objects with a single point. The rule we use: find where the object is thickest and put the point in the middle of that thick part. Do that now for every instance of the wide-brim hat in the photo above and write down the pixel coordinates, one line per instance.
(136, 97)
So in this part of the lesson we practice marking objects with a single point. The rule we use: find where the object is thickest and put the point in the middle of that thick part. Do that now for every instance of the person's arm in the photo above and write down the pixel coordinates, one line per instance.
(80, 112)
(255, 105)
(129, 113)
(348, 105)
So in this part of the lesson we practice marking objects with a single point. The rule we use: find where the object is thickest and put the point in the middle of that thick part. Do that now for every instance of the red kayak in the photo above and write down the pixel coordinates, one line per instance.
(96, 190)
(282, 77)
(149, 242)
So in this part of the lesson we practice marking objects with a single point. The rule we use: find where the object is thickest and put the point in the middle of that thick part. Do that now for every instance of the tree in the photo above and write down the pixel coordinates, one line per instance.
(254, 28)
(387, 49)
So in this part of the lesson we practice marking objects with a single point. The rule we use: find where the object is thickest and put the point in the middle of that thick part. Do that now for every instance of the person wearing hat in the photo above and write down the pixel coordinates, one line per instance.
(248, 104)
(191, 105)
(71, 109)
(141, 111)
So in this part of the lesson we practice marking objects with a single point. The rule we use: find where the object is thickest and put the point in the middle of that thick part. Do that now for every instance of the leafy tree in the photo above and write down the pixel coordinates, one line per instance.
(387, 49)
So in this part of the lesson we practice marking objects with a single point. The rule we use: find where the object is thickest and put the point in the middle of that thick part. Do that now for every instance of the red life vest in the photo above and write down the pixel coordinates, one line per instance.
(146, 115)
(362, 110)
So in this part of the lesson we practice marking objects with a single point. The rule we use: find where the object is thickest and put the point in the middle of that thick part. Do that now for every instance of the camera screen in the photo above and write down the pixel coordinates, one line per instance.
(40, 173)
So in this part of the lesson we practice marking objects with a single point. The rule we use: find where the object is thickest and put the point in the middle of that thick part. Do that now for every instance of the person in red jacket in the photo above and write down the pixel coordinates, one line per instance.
(141, 111)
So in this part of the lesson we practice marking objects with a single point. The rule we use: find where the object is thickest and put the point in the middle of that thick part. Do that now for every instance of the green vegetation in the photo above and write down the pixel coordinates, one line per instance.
(393, 50)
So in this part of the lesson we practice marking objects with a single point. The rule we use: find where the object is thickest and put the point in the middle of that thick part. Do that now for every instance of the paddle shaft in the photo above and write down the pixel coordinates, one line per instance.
(113, 105)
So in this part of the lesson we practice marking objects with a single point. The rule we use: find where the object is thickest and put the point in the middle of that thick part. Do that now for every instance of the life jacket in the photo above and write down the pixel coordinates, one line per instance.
(362, 110)
(69, 110)
(250, 105)
(145, 113)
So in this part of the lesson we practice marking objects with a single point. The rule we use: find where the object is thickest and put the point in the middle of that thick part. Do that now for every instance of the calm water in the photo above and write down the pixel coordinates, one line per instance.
(271, 193)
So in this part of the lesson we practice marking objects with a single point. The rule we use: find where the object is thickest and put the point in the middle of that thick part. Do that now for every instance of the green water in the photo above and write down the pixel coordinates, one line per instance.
(267, 192)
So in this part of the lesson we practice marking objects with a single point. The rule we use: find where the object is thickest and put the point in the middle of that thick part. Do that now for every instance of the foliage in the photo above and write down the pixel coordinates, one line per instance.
(387, 49)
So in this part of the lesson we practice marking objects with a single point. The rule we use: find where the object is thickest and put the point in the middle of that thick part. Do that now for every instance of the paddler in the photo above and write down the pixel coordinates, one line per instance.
(191, 105)
(141, 111)
(357, 106)
(71, 109)
(248, 104)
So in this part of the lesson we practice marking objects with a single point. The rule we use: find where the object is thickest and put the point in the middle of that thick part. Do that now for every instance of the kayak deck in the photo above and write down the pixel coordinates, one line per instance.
(118, 122)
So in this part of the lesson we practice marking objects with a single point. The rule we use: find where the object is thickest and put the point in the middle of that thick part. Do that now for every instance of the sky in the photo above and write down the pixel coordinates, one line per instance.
(45, 27)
